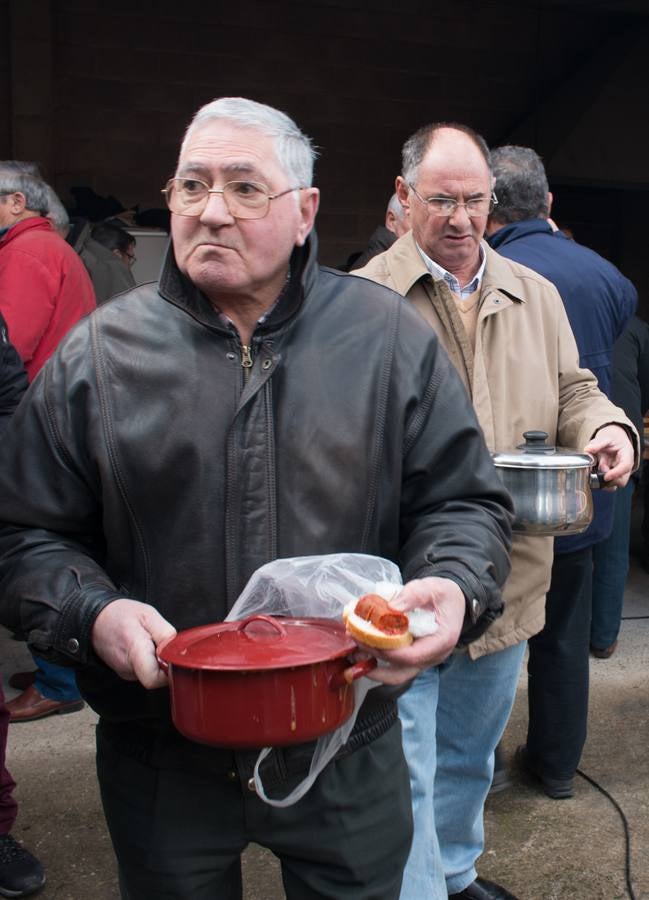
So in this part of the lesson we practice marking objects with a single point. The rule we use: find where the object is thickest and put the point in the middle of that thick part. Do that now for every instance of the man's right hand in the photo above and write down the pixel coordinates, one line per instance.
(125, 635)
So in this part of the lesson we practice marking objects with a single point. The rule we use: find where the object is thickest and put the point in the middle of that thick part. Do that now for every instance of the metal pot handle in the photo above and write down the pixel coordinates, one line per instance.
(351, 673)
(597, 481)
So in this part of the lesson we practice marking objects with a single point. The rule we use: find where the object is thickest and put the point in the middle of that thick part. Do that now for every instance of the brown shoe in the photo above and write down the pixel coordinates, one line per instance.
(22, 680)
(604, 652)
(31, 705)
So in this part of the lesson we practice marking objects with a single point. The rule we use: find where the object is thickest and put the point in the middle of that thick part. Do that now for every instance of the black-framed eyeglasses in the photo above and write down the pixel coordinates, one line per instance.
(243, 199)
(447, 206)
(132, 259)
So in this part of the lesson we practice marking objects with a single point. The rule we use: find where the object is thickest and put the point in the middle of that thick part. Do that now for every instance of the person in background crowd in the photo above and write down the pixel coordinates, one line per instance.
(119, 241)
(193, 430)
(507, 333)
(630, 390)
(44, 291)
(599, 302)
(107, 252)
(56, 213)
(21, 873)
(396, 224)
(13, 378)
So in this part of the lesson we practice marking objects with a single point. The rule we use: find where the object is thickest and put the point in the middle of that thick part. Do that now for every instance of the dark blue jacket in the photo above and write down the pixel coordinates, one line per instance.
(630, 384)
(599, 302)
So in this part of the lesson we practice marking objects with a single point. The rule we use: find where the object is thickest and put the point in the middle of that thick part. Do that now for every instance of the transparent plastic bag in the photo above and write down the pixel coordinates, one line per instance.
(315, 586)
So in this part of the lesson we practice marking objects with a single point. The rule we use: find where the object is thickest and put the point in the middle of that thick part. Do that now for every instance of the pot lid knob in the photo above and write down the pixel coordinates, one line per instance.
(536, 442)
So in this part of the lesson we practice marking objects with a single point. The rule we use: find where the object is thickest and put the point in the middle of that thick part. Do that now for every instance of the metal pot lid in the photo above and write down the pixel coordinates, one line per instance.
(537, 453)
(257, 643)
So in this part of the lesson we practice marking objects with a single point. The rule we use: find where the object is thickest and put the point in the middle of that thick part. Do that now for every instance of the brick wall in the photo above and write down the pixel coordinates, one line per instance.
(357, 75)
(5, 82)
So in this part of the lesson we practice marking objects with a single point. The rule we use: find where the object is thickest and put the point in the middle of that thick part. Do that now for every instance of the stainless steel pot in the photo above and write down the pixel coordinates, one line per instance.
(550, 486)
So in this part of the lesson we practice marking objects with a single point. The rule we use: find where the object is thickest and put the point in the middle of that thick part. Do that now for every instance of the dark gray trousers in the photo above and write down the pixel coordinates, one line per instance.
(180, 816)
(558, 669)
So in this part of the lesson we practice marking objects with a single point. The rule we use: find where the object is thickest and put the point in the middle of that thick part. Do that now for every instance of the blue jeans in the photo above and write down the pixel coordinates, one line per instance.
(610, 570)
(55, 682)
(452, 717)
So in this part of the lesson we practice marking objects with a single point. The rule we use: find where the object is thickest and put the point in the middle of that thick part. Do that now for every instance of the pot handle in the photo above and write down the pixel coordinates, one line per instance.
(164, 665)
(597, 481)
(351, 673)
(269, 620)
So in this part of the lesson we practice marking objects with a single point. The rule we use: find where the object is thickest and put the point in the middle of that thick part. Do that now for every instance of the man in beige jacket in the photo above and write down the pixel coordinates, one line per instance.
(506, 331)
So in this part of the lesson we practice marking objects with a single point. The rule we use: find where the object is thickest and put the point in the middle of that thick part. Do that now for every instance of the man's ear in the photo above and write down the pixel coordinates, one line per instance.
(403, 192)
(17, 203)
(550, 201)
(309, 203)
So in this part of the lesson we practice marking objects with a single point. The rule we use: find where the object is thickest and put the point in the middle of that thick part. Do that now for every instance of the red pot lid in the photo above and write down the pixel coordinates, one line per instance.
(258, 642)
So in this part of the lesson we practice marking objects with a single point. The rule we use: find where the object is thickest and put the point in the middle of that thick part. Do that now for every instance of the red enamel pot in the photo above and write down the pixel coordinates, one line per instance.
(261, 681)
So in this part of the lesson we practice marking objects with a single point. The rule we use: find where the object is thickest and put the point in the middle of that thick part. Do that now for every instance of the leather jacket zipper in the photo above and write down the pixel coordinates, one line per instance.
(246, 360)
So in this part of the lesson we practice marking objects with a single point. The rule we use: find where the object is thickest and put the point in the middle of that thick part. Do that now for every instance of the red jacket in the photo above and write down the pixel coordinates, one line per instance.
(44, 289)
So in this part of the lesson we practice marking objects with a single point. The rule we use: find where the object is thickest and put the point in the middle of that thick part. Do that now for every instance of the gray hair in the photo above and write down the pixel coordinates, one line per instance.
(395, 207)
(521, 184)
(25, 178)
(56, 212)
(294, 150)
(416, 147)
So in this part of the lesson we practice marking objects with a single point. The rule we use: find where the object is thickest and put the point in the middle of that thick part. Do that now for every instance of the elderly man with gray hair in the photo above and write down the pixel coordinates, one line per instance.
(44, 291)
(251, 406)
(44, 287)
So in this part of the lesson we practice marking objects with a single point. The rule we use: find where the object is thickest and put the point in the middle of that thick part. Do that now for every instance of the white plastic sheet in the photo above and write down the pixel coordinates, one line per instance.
(314, 586)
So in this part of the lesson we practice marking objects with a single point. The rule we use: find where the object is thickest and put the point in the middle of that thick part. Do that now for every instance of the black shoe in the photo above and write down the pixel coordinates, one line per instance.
(481, 889)
(20, 872)
(556, 788)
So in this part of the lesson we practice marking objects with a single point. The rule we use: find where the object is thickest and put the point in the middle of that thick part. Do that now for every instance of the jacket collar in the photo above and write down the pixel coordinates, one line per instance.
(31, 223)
(516, 230)
(499, 276)
(179, 290)
(407, 267)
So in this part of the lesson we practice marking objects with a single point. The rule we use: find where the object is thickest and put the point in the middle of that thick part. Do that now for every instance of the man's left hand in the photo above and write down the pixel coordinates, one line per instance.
(614, 451)
(445, 598)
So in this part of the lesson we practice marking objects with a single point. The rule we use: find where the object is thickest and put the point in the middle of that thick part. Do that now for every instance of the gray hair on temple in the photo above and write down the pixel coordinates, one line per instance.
(24, 177)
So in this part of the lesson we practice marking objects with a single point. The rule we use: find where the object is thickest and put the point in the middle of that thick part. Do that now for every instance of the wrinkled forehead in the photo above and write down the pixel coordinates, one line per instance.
(223, 148)
(452, 155)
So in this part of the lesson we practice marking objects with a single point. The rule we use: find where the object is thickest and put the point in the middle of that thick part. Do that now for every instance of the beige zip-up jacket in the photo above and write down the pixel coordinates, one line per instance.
(524, 375)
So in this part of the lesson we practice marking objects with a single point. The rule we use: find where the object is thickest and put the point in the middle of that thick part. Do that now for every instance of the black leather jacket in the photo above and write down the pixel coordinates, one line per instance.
(148, 462)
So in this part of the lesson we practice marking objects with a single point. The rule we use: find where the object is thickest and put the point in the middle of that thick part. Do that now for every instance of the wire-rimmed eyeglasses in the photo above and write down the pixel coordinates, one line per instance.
(447, 206)
(243, 199)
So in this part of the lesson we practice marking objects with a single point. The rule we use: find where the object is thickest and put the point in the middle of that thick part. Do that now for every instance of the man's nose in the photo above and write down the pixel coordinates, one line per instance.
(216, 212)
(459, 216)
